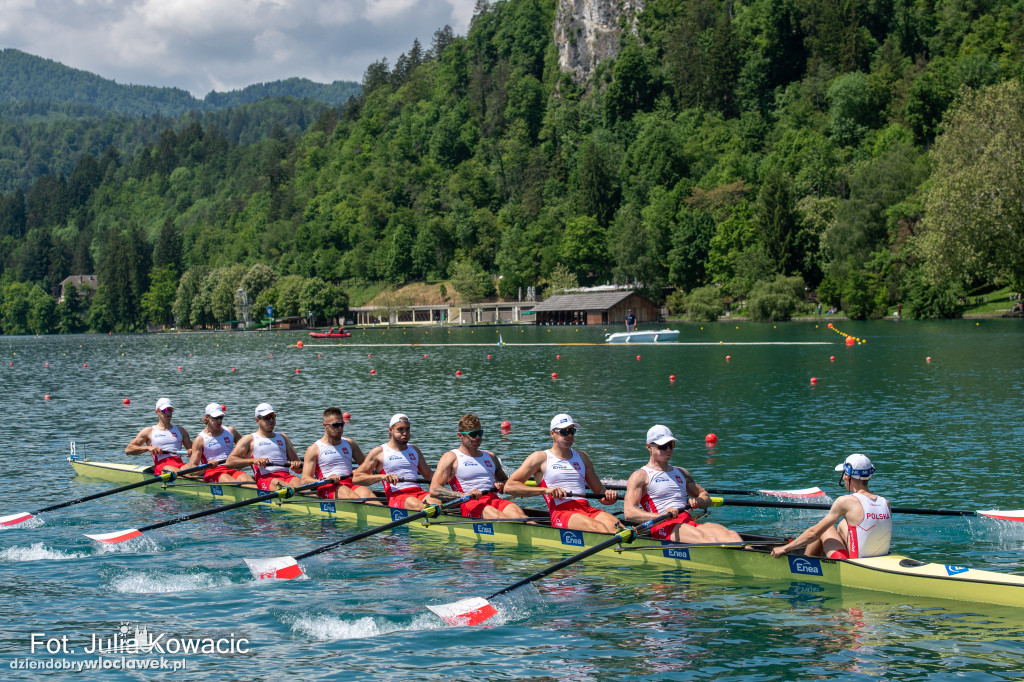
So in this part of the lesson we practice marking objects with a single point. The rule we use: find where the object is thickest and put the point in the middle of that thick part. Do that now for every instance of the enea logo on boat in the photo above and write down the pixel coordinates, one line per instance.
(803, 565)
(572, 537)
(483, 529)
(216, 490)
(398, 514)
(327, 507)
(676, 552)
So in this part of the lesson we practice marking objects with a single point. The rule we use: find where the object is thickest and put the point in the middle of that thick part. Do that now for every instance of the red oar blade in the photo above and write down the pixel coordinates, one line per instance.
(15, 519)
(1009, 515)
(802, 492)
(279, 567)
(116, 537)
(472, 611)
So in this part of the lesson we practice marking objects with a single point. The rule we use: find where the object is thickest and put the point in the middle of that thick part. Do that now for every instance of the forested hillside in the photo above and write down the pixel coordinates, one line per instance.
(872, 150)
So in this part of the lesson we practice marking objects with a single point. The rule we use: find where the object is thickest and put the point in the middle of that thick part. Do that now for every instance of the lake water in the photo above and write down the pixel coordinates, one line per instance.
(946, 433)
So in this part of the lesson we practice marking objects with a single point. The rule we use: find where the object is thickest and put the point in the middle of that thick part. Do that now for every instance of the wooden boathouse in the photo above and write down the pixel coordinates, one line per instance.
(609, 307)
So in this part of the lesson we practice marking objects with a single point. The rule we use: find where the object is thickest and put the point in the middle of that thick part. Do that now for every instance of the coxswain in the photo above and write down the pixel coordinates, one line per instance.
(162, 440)
(658, 488)
(397, 465)
(562, 474)
(469, 470)
(213, 445)
(270, 454)
(864, 519)
(332, 458)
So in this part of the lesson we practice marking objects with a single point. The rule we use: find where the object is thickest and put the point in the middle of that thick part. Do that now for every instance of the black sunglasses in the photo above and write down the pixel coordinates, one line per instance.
(571, 431)
(475, 433)
(335, 425)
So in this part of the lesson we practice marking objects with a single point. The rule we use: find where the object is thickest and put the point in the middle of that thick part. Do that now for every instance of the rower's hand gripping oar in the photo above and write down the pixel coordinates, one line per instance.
(1009, 515)
(165, 477)
(476, 610)
(282, 493)
(287, 567)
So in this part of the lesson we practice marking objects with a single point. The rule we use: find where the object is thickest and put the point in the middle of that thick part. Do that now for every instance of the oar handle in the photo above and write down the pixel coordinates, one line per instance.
(282, 493)
(431, 511)
(165, 477)
(720, 502)
(625, 535)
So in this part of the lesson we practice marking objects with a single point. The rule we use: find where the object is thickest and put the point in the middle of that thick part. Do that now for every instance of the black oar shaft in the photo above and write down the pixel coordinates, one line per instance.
(822, 505)
(431, 510)
(234, 505)
(121, 489)
(615, 539)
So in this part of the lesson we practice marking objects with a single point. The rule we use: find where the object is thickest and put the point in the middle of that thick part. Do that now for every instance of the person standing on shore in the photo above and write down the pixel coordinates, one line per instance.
(630, 321)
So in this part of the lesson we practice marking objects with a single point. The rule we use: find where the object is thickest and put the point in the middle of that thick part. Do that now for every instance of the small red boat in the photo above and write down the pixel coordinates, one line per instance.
(330, 335)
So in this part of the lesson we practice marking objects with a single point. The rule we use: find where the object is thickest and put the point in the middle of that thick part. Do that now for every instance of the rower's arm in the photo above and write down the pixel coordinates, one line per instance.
(444, 473)
(186, 442)
(838, 511)
(240, 455)
(309, 462)
(698, 497)
(366, 473)
(140, 443)
(594, 483)
(423, 468)
(516, 484)
(197, 453)
(357, 453)
(293, 457)
(636, 488)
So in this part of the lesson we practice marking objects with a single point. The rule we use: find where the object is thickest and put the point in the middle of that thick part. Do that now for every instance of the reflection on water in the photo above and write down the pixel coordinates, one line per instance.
(942, 434)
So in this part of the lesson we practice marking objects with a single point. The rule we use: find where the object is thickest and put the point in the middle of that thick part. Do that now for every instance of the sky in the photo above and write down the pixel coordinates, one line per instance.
(204, 45)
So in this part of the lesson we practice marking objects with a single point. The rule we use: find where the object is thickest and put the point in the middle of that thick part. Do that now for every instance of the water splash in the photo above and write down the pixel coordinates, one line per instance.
(329, 627)
(36, 552)
(143, 543)
(145, 582)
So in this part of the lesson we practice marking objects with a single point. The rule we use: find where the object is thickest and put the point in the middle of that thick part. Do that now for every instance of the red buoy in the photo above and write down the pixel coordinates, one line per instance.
(223, 407)
(368, 355)
(710, 439)
(554, 375)
(232, 369)
(47, 364)
(424, 355)
(488, 357)
(558, 357)
(346, 416)
(46, 397)
(814, 381)
(299, 344)
(318, 355)
(84, 364)
(458, 372)
(638, 358)
(126, 401)
(271, 355)
(506, 425)
(850, 341)
(728, 358)
(829, 325)
(832, 358)
(373, 371)
(928, 359)
(179, 368)
(296, 370)
(671, 377)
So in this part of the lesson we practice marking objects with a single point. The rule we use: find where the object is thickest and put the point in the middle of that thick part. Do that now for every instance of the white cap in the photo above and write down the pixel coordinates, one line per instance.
(214, 410)
(263, 409)
(560, 421)
(164, 403)
(398, 418)
(659, 435)
(857, 466)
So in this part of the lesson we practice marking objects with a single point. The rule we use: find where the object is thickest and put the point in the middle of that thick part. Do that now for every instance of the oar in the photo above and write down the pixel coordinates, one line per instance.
(476, 610)
(166, 477)
(1011, 515)
(803, 492)
(282, 493)
(287, 567)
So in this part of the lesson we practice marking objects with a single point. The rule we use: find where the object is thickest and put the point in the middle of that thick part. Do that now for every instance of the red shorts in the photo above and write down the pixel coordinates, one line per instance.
(265, 482)
(397, 499)
(664, 530)
(560, 516)
(328, 491)
(212, 474)
(168, 461)
(474, 509)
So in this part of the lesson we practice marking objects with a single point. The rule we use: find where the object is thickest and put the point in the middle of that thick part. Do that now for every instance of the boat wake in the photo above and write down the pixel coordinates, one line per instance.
(146, 582)
(36, 552)
(329, 627)
(142, 543)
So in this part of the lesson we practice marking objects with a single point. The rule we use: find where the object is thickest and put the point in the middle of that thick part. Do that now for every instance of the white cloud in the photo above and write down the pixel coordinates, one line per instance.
(201, 45)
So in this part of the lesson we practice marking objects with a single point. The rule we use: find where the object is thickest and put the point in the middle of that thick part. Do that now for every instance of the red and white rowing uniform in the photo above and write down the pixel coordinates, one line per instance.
(871, 536)
(666, 490)
(334, 459)
(405, 464)
(215, 451)
(275, 450)
(476, 473)
(567, 474)
(169, 442)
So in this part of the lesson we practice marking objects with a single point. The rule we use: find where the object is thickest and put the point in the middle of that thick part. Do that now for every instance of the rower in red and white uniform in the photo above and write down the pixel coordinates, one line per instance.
(658, 488)
(397, 465)
(270, 454)
(213, 445)
(562, 474)
(332, 458)
(864, 519)
(468, 469)
(163, 440)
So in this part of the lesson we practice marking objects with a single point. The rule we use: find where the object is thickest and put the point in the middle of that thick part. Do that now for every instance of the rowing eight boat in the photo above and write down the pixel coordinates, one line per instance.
(892, 573)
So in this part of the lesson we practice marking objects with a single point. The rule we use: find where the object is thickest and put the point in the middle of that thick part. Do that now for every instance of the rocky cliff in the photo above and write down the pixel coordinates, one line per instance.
(587, 32)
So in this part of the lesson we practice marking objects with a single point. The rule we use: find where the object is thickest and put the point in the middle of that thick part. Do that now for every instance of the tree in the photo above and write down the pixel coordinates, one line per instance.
(322, 299)
(470, 280)
(187, 295)
(158, 301)
(775, 300)
(583, 249)
(973, 225)
(777, 222)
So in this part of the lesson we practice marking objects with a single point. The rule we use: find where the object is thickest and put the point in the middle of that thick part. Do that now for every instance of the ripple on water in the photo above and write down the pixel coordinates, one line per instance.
(329, 627)
(156, 582)
(37, 551)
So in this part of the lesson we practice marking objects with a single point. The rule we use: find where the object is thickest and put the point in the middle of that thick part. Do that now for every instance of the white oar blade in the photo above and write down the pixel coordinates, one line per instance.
(15, 519)
(802, 492)
(116, 536)
(279, 567)
(472, 611)
(1009, 515)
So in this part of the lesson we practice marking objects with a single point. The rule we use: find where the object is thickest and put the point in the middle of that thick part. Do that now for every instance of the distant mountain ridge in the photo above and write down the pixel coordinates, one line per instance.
(29, 78)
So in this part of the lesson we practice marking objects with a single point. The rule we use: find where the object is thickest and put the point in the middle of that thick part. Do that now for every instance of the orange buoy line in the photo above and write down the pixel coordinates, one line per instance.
(850, 339)
(601, 345)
